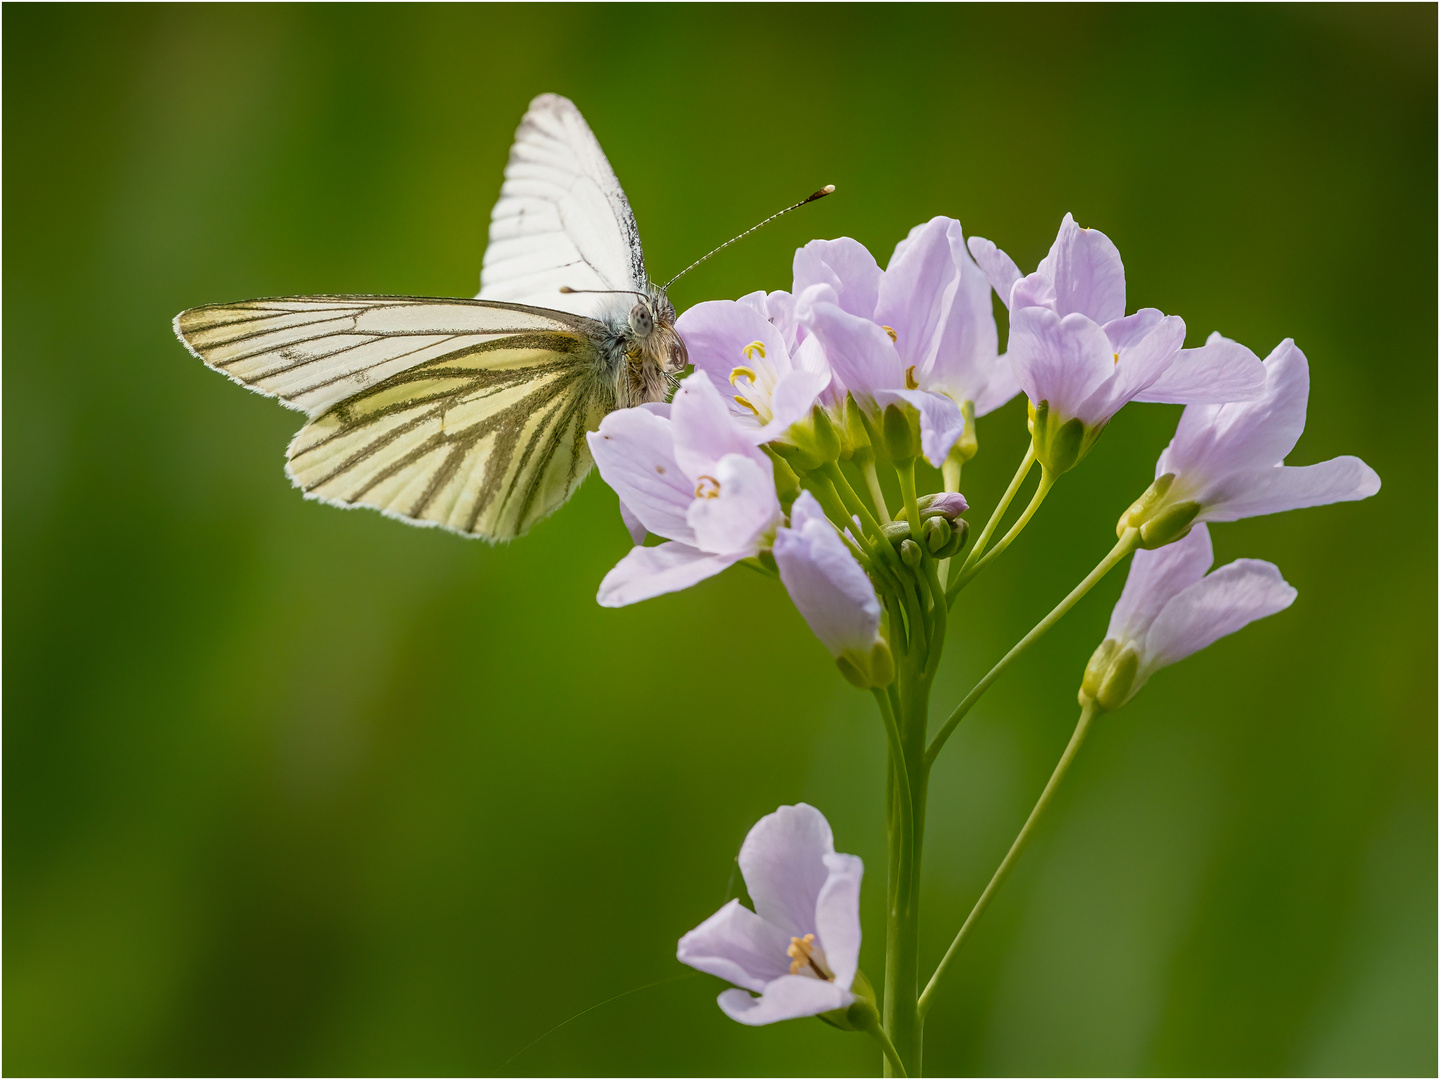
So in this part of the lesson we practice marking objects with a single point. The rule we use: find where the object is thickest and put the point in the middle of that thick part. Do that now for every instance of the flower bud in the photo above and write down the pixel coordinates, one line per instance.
(937, 534)
(1059, 445)
(910, 553)
(902, 432)
(870, 670)
(1109, 679)
(960, 532)
(948, 504)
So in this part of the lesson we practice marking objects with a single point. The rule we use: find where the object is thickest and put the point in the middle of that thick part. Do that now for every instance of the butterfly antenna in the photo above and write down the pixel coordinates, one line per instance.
(567, 290)
(826, 190)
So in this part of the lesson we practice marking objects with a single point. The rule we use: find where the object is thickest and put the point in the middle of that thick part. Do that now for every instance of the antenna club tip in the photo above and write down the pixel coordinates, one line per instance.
(828, 189)
(566, 289)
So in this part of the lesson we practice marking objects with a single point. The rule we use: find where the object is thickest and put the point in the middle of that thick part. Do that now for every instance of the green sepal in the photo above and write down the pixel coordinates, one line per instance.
(811, 443)
(855, 432)
(1169, 525)
(1109, 679)
(787, 484)
(1141, 509)
(868, 672)
(862, 1014)
(902, 432)
(1059, 444)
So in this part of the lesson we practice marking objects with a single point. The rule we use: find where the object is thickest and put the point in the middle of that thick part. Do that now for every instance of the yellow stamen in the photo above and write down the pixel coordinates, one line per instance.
(891, 331)
(702, 491)
(910, 383)
(741, 401)
(1117, 358)
(753, 349)
(742, 373)
(802, 956)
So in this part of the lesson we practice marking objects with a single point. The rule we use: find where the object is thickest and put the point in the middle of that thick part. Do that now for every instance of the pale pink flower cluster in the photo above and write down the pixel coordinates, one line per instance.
(831, 371)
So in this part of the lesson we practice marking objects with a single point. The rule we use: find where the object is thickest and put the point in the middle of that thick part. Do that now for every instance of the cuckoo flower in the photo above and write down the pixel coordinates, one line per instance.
(1171, 608)
(1080, 358)
(691, 477)
(1227, 461)
(800, 948)
(833, 593)
(773, 381)
(919, 333)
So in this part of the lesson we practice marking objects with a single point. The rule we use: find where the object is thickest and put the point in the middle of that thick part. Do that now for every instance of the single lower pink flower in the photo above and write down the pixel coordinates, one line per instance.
(799, 950)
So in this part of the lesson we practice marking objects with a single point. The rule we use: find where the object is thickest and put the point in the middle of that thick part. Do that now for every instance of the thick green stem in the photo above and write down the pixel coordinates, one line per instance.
(902, 967)
(971, 568)
(1087, 714)
(1123, 547)
(907, 700)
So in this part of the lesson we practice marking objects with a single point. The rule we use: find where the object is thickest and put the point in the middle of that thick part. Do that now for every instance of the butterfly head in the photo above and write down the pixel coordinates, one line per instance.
(652, 324)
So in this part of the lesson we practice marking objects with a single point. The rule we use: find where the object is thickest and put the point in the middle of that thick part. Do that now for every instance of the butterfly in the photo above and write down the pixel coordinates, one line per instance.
(470, 415)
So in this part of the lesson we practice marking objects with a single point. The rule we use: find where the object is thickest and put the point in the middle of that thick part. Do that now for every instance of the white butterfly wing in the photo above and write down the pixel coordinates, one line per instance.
(562, 218)
(312, 352)
(456, 413)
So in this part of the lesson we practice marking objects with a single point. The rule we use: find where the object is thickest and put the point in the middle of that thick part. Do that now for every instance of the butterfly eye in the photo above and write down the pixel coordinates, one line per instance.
(641, 321)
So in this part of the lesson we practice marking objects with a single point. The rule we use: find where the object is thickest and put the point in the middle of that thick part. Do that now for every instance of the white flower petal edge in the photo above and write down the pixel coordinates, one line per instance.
(1171, 608)
(800, 948)
(827, 585)
(691, 477)
(647, 572)
(1230, 458)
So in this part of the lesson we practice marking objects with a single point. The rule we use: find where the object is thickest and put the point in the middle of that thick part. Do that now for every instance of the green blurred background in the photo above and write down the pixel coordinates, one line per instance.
(289, 790)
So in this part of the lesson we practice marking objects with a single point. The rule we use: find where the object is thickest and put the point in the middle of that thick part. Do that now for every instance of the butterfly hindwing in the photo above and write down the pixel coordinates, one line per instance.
(463, 414)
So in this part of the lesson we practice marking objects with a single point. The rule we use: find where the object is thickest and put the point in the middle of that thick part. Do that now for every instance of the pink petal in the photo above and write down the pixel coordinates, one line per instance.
(704, 430)
(1232, 597)
(1287, 487)
(783, 863)
(1221, 370)
(998, 267)
(650, 571)
(845, 265)
(1088, 274)
(1214, 441)
(634, 452)
(746, 507)
(1061, 361)
(824, 581)
(787, 998)
(738, 946)
(1155, 578)
(859, 351)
